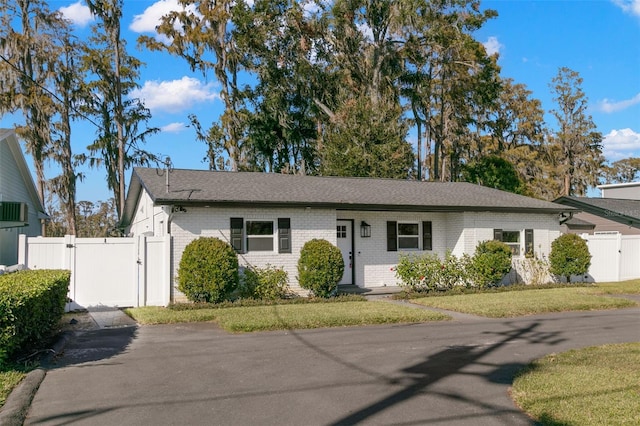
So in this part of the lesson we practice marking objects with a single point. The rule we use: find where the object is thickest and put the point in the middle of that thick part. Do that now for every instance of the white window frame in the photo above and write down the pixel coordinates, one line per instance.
(515, 246)
(261, 237)
(409, 236)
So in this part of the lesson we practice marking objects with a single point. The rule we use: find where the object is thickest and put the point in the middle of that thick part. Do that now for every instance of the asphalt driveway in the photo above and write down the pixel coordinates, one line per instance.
(449, 373)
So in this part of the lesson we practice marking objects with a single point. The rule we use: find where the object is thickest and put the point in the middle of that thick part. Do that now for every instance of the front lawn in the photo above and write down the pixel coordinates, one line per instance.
(290, 316)
(624, 287)
(526, 302)
(591, 386)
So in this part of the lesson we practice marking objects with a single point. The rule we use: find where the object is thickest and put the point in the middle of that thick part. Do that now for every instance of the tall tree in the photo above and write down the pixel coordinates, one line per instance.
(202, 34)
(283, 45)
(367, 142)
(67, 82)
(119, 137)
(622, 171)
(27, 43)
(448, 80)
(577, 142)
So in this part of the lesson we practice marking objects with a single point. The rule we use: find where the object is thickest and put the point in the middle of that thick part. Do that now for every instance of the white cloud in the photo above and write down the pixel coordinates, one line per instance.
(150, 18)
(175, 95)
(492, 46)
(77, 13)
(609, 106)
(629, 6)
(620, 144)
(173, 128)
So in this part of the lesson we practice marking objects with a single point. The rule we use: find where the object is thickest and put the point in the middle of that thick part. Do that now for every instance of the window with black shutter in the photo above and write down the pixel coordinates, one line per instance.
(427, 238)
(284, 235)
(528, 243)
(392, 236)
(237, 234)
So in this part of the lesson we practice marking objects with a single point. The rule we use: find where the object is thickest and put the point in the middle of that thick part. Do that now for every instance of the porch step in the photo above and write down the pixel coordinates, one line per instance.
(372, 291)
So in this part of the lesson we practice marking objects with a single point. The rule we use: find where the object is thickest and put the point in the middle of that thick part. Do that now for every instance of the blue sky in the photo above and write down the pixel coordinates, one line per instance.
(600, 39)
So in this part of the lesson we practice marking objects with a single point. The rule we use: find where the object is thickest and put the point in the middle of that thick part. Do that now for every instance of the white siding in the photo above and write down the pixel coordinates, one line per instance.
(14, 188)
(148, 219)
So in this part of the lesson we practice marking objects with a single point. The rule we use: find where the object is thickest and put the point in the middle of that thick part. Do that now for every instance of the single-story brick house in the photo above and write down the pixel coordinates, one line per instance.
(268, 217)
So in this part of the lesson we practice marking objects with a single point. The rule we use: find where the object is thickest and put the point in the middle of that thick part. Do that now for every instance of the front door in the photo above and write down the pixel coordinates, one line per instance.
(344, 230)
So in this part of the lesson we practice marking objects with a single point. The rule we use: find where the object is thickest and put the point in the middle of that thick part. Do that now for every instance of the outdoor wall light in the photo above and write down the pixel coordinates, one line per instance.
(365, 229)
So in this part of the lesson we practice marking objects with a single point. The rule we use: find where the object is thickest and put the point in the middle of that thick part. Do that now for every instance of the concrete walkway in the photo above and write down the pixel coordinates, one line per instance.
(106, 317)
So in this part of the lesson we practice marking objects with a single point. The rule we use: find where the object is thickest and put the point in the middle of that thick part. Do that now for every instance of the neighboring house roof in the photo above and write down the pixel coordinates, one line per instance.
(8, 137)
(202, 187)
(622, 211)
(578, 224)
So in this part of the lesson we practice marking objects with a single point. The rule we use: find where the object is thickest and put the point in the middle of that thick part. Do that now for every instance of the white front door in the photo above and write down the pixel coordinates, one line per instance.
(344, 230)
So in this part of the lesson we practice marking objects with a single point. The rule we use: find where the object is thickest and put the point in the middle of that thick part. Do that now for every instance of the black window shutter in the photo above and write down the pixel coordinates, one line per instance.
(284, 235)
(497, 234)
(237, 234)
(427, 239)
(392, 236)
(528, 242)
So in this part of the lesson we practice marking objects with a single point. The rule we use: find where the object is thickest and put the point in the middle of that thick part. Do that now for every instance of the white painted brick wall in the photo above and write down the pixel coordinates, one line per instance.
(306, 224)
(374, 265)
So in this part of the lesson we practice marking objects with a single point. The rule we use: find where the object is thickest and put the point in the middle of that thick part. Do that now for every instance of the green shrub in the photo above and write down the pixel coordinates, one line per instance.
(269, 283)
(31, 305)
(320, 267)
(208, 270)
(490, 263)
(569, 256)
(428, 272)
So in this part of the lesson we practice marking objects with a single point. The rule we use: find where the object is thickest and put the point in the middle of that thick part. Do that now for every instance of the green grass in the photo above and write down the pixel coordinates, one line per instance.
(624, 287)
(525, 302)
(8, 380)
(292, 316)
(592, 386)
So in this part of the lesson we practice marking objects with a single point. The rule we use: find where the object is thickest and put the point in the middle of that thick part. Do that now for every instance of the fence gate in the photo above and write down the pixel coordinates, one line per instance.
(114, 272)
(614, 257)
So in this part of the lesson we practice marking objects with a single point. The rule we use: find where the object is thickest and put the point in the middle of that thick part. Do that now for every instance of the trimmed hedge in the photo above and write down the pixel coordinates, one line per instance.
(31, 305)
(320, 267)
(569, 256)
(208, 270)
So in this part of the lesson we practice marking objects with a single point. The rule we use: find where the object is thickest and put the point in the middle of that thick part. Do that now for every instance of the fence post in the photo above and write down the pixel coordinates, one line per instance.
(166, 267)
(618, 255)
(141, 279)
(22, 250)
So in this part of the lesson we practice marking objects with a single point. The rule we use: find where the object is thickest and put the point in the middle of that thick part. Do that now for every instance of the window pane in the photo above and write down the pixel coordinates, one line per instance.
(408, 242)
(515, 248)
(259, 228)
(259, 244)
(511, 236)
(408, 229)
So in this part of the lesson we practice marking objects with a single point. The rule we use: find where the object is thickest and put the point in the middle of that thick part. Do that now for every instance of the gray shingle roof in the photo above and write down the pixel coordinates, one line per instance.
(616, 209)
(202, 187)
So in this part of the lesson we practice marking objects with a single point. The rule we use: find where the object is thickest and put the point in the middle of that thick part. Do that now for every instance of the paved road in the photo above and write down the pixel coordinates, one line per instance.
(450, 373)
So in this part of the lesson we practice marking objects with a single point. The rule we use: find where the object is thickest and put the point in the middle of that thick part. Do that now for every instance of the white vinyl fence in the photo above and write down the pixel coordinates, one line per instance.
(614, 257)
(116, 272)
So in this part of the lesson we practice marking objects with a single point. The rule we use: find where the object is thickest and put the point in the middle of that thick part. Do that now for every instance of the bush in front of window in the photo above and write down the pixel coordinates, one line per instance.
(208, 270)
(490, 263)
(427, 272)
(269, 283)
(569, 256)
(320, 267)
